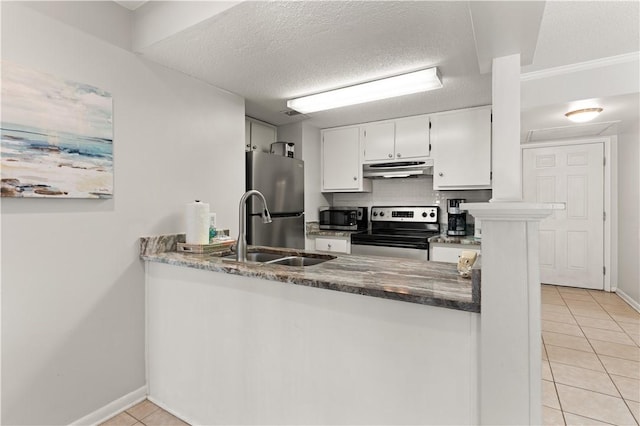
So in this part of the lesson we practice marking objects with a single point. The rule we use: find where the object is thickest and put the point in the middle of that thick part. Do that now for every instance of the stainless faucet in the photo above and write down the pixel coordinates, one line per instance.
(241, 246)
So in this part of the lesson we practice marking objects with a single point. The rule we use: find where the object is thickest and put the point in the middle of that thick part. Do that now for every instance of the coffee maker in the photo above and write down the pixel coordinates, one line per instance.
(457, 218)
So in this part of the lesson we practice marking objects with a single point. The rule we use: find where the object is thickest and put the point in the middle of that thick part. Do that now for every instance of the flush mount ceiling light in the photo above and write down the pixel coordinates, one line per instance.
(404, 84)
(583, 115)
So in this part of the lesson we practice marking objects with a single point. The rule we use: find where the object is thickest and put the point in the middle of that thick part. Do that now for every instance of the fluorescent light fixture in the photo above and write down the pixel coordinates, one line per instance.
(404, 84)
(583, 115)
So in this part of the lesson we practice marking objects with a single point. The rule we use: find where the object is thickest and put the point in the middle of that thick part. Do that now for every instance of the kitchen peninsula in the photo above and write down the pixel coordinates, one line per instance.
(254, 343)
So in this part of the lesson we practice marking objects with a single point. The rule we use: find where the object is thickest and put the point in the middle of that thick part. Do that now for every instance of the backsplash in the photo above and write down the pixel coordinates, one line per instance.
(408, 192)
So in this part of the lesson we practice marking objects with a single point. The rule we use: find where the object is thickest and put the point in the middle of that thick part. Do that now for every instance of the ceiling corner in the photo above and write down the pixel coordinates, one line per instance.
(505, 28)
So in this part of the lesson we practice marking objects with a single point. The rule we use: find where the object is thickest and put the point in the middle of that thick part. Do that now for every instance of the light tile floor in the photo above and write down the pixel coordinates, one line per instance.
(590, 363)
(146, 413)
(590, 358)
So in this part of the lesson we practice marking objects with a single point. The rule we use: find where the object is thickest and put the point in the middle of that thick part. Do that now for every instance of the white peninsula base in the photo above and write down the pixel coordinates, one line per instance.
(228, 349)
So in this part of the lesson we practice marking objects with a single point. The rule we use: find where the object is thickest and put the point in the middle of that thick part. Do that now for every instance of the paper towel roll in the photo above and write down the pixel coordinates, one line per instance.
(197, 220)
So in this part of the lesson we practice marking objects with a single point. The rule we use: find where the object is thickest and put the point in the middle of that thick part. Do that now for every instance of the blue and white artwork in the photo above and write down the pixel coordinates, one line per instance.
(57, 136)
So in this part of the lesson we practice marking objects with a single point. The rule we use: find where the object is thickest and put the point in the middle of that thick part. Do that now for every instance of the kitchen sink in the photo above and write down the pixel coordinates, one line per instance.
(275, 258)
(260, 256)
(300, 260)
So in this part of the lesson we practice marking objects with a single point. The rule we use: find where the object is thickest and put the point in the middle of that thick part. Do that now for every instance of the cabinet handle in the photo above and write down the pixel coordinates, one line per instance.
(440, 174)
(399, 155)
(390, 155)
(255, 147)
(329, 246)
(355, 178)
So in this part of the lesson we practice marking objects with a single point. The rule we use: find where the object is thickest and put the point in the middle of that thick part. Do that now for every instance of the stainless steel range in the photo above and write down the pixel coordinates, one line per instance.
(398, 232)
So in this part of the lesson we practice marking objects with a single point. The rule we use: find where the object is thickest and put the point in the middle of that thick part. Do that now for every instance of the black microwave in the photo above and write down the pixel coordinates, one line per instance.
(344, 218)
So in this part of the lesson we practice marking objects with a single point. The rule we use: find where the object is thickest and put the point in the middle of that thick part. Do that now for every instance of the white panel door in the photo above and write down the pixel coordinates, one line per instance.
(571, 240)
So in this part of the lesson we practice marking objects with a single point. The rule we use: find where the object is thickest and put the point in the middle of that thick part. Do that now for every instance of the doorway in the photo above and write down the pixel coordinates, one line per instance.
(572, 241)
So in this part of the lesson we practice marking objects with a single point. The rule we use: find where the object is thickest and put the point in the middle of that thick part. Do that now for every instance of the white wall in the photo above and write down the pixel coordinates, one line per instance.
(72, 282)
(628, 216)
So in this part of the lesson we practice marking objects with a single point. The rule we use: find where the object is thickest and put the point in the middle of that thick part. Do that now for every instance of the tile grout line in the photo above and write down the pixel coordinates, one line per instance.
(599, 359)
(608, 374)
(553, 379)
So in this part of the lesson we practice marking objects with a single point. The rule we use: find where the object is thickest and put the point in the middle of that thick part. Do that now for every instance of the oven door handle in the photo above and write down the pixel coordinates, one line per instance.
(420, 246)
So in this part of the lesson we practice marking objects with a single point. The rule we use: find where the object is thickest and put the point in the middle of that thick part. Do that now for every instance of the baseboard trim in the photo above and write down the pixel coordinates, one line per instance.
(113, 408)
(624, 296)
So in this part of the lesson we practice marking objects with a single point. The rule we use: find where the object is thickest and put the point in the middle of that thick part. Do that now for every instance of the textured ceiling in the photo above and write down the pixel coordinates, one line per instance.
(131, 4)
(268, 52)
(580, 31)
(548, 122)
(271, 51)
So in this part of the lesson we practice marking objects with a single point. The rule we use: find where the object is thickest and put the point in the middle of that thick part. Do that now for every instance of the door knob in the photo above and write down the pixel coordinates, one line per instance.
(440, 174)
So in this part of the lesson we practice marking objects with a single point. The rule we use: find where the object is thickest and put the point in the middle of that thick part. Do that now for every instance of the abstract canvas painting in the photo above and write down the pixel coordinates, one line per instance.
(56, 136)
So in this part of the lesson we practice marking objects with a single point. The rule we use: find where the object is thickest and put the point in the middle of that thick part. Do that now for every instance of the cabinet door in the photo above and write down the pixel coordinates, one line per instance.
(247, 135)
(334, 245)
(461, 143)
(341, 169)
(262, 136)
(378, 141)
(412, 137)
(449, 253)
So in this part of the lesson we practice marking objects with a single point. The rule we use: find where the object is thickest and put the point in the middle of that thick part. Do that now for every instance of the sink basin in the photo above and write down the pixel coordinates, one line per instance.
(259, 256)
(300, 260)
(275, 258)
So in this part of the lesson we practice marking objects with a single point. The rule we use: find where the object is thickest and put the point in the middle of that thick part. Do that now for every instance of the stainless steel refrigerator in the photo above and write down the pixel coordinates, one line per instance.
(281, 180)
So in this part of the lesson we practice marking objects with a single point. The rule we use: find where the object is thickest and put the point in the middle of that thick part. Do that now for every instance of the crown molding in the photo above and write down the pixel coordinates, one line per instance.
(581, 66)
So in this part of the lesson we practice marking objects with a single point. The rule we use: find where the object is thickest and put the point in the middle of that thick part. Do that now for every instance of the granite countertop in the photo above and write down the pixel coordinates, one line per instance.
(448, 239)
(423, 282)
(313, 230)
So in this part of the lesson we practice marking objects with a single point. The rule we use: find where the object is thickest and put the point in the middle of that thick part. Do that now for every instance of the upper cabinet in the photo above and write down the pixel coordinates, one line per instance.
(379, 141)
(342, 161)
(396, 140)
(412, 137)
(258, 135)
(461, 143)
(457, 142)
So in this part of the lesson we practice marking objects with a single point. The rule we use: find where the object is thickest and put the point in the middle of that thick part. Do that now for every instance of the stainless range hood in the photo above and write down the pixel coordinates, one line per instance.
(398, 169)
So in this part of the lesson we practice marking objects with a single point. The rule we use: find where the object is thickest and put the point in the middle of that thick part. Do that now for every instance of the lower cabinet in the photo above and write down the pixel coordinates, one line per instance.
(449, 252)
(333, 245)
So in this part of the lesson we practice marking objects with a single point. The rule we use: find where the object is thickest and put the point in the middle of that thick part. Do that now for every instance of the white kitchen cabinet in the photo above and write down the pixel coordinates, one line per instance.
(258, 135)
(379, 141)
(396, 140)
(342, 161)
(333, 245)
(449, 252)
(412, 137)
(461, 149)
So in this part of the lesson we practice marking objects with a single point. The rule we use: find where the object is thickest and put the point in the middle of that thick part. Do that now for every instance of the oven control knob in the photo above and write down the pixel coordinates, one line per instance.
(424, 214)
(432, 214)
(375, 213)
(381, 214)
